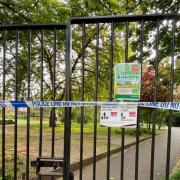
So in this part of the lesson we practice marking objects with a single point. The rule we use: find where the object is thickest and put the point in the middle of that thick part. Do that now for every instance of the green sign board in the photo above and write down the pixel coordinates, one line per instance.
(127, 82)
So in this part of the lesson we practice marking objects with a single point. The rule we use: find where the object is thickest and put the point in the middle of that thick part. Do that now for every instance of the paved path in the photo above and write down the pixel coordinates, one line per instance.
(144, 160)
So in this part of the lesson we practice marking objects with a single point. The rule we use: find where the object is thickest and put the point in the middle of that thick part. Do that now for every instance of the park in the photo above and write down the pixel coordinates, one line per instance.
(89, 90)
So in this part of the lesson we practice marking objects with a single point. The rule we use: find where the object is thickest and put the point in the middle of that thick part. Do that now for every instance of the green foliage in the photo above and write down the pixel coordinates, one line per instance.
(55, 11)
(163, 6)
(176, 118)
(161, 117)
(145, 115)
(88, 115)
(87, 118)
(132, 132)
(33, 11)
(177, 72)
(95, 7)
(175, 175)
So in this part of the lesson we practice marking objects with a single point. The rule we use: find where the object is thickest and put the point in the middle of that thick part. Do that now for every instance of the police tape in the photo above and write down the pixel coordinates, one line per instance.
(39, 104)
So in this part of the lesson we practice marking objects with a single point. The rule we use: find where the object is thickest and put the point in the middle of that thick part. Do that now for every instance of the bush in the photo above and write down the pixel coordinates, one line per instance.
(132, 132)
(88, 115)
(176, 118)
(87, 118)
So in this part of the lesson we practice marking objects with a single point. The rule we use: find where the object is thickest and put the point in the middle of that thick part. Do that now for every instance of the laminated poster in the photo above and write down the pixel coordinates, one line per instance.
(127, 81)
(118, 116)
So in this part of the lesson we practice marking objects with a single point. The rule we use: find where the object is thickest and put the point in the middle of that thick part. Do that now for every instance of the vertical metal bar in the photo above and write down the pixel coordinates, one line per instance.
(171, 94)
(82, 99)
(138, 117)
(122, 154)
(41, 93)
(67, 122)
(110, 98)
(127, 41)
(28, 109)
(123, 129)
(96, 98)
(3, 109)
(16, 98)
(155, 97)
(53, 94)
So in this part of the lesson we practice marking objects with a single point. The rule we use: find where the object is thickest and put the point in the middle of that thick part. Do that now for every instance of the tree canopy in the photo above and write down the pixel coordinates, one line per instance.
(56, 11)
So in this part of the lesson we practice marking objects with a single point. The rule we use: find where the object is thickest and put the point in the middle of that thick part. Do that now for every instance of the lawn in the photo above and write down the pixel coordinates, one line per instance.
(88, 128)
(59, 141)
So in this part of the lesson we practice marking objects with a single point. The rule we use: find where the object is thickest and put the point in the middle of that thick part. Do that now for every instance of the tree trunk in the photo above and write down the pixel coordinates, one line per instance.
(52, 118)
(150, 120)
(160, 123)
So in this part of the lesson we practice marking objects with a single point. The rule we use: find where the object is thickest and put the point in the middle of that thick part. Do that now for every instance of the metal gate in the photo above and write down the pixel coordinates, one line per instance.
(30, 57)
(96, 39)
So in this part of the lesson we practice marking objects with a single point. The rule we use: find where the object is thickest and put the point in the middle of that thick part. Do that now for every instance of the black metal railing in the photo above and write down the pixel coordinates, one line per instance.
(88, 35)
(14, 33)
(85, 22)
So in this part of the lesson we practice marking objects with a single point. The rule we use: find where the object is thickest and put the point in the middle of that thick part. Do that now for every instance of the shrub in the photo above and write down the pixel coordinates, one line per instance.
(176, 118)
(87, 118)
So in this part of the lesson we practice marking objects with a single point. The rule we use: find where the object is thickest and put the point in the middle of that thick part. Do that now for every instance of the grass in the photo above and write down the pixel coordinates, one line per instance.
(75, 128)
(9, 168)
(34, 141)
(88, 128)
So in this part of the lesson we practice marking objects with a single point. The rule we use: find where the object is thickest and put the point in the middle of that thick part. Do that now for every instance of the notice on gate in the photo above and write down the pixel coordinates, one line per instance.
(127, 81)
(118, 116)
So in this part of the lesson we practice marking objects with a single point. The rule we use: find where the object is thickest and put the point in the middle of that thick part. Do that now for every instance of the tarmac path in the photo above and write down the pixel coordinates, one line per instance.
(144, 160)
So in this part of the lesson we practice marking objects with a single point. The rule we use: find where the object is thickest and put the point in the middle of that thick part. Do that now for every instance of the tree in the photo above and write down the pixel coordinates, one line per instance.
(161, 118)
(38, 12)
(54, 11)
(163, 92)
(177, 80)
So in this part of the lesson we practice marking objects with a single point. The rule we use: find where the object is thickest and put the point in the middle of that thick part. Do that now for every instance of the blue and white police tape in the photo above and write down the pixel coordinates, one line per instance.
(38, 104)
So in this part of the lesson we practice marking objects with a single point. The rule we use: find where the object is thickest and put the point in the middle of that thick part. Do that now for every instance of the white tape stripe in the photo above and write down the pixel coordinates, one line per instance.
(24, 104)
